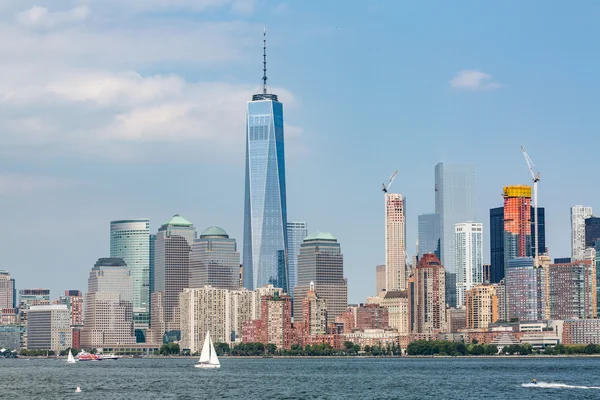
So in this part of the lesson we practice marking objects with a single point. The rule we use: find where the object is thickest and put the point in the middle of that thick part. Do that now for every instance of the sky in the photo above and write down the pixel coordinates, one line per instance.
(112, 110)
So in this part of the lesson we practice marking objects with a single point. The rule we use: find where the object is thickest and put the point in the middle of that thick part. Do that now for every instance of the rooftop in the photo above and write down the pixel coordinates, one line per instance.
(178, 220)
(214, 231)
(110, 262)
(320, 236)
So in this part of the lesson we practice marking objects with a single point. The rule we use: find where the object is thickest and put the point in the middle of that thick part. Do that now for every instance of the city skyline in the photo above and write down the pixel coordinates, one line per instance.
(73, 177)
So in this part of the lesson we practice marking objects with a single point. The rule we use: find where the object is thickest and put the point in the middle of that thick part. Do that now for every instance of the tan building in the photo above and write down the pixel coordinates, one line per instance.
(314, 314)
(396, 303)
(373, 337)
(395, 242)
(572, 290)
(481, 306)
(456, 319)
(427, 297)
(380, 278)
(49, 328)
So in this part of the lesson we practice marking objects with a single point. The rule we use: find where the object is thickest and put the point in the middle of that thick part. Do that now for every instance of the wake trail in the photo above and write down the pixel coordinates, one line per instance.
(553, 385)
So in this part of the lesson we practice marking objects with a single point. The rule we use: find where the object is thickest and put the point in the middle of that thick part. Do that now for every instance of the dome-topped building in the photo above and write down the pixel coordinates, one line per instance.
(214, 260)
(214, 231)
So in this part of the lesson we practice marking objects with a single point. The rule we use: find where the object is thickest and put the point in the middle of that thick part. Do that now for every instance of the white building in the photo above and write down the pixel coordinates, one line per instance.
(468, 258)
(578, 216)
(395, 241)
(49, 328)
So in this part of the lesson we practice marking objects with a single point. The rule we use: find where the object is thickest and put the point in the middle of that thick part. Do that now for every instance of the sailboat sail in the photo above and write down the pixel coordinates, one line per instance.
(213, 355)
(205, 355)
(70, 359)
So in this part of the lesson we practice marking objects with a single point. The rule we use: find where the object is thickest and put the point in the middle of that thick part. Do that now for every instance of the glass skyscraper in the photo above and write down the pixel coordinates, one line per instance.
(130, 240)
(429, 234)
(265, 210)
(296, 232)
(455, 201)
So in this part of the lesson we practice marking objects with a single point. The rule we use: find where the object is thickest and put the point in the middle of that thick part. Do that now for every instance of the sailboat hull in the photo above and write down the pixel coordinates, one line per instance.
(208, 366)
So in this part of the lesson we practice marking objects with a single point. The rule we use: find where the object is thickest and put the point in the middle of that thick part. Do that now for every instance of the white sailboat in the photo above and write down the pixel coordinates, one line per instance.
(208, 357)
(71, 359)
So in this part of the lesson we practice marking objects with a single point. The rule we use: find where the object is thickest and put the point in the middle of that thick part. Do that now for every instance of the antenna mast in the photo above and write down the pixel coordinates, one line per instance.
(265, 61)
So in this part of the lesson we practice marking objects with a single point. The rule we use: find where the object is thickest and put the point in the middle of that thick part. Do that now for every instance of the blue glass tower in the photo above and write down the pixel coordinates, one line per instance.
(265, 211)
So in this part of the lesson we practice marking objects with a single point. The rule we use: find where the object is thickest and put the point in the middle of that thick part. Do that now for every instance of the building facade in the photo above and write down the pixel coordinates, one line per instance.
(215, 261)
(517, 222)
(469, 258)
(49, 328)
(572, 290)
(579, 214)
(7, 290)
(429, 234)
(130, 240)
(481, 306)
(296, 231)
(592, 231)
(321, 261)
(380, 278)
(581, 331)
(427, 297)
(524, 290)
(314, 314)
(455, 201)
(265, 206)
(395, 241)
(372, 316)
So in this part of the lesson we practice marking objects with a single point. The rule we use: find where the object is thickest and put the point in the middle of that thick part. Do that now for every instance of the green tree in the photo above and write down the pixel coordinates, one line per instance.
(271, 348)
(222, 348)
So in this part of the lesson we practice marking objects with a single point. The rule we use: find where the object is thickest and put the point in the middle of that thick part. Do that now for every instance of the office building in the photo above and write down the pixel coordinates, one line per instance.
(572, 290)
(73, 299)
(429, 234)
(108, 312)
(380, 278)
(592, 231)
(7, 290)
(49, 328)
(265, 206)
(524, 290)
(496, 244)
(321, 261)
(215, 261)
(481, 306)
(296, 232)
(455, 201)
(427, 296)
(469, 258)
(205, 309)
(578, 216)
(27, 299)
(172, 248)
(130, 241)
(395, 241)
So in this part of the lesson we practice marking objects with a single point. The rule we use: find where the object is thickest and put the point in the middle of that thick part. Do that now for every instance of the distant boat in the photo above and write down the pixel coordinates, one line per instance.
(71, 359)
(108, 357)
(208, 357)
(84, 356)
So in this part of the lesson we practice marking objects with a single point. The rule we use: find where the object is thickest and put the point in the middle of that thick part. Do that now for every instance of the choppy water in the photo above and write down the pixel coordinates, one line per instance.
(345, 378)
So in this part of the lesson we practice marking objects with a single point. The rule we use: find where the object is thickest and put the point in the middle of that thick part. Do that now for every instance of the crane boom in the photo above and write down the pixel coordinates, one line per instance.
(536, 178)
(386, 187)
(531, 165)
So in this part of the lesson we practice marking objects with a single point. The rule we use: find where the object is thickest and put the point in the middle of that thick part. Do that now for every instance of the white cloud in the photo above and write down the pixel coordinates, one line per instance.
(41, 17)
(474, 80)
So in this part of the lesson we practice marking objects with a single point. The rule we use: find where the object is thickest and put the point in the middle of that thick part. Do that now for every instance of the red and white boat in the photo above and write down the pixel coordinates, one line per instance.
(85, 356)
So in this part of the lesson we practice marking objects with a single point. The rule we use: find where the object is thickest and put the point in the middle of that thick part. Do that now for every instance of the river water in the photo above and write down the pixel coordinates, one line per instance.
(315, 378)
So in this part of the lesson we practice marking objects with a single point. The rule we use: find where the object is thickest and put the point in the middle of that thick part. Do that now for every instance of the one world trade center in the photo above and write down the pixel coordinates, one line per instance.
(265, 210)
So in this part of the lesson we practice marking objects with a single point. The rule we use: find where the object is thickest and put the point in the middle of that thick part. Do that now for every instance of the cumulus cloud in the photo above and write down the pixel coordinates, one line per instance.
(473, 79)
(41, 17)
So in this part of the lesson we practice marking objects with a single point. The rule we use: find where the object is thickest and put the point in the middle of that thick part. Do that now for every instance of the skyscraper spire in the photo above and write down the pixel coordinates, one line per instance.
(264, 78)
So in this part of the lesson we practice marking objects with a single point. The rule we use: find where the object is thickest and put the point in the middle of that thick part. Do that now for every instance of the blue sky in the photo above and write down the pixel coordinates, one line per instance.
(111, 110)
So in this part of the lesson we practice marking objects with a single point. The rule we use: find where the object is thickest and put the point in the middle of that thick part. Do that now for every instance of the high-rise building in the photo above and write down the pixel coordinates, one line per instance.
(517, 222)
(321, 261)
(469, 258)
(206, 309)
(524, 290)
(275, 323)
(215, 261)
(578, 216)
(396, 303)
(27, 299)
(429, 234)
(592, 231)
(108, 312)
(265, 207)
(573, 290)
(296, 232)
(314, 314)
(455, 201)
(498, 261)
(49, 328)
(130, 240)
(427, 296)
(172, 249)
(481, 306)
(380, 278)
(395, 241)
(6, 290)
(74, 301)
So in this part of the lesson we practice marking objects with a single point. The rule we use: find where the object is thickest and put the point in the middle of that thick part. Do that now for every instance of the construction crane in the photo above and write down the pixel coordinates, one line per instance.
(386, 187)
(536, 178)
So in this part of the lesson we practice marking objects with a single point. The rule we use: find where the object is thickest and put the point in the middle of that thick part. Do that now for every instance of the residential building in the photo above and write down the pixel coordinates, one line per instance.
(579, 214)
(380, 278)
(469, 258)
(7, 289)
(265, 206)
(517, 222)
(592, 231)
(395, 241)
(215, 261)
(73, 299)
(321, 261)
(172, 249)
(456, 319)
(206, 309)
(396, 304)
(275, 324)
(455, 201)
(429, 234)
(314, 314)
(372, 316)
(373, 337)
(130, 241)
(481, 306)
(496, 244)
(502, 303)
(296, 232)
(49, 328)
(427, 296)
(572, 290)
(581, 331)
(524, 290)
(108, 312)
